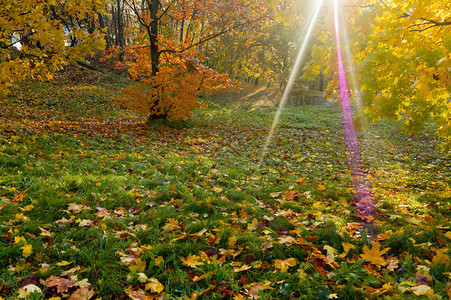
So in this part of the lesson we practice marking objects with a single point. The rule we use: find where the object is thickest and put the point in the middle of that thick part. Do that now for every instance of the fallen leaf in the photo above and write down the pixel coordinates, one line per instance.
(199, 278)
(422, 290)
(283, 265)
(27, 250)
(192, 261)
(346, 248)
(83, 293)
(231, 242)
(142, 277)
(71, 271)
(331, 252)
(254, 289)
(25, 291)
(374, 255)
(321, 187)
(242, 268)
(138, 266)
(159, 260)
(62, 284)
(154, 286)
(287, 240)
(138, 294)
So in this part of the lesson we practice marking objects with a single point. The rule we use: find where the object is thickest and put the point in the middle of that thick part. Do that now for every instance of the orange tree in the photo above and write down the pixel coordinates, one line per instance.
(165, 58)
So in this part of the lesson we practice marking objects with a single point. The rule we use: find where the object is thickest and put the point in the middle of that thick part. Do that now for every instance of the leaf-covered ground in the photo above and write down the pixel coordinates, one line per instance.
(94, 203)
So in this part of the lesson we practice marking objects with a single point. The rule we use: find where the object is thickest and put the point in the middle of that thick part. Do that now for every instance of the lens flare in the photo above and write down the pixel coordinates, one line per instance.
(294, 72)
(363, 198)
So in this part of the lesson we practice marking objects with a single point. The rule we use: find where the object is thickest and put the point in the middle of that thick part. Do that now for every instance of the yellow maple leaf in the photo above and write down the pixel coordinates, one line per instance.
(154, 286)
(321, 187)
(27, 250)
(192, 261)
(231, 242)
(283, 265)
(374, 255)
(142, 277)
(448, 234)
(331, 252)
(346, 248)
(159, 260)
(442, 256)
(254, 225)
(138, 266)
(171, 225)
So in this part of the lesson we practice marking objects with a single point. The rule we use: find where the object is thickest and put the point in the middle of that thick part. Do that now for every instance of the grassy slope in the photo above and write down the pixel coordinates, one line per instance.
(101, 196)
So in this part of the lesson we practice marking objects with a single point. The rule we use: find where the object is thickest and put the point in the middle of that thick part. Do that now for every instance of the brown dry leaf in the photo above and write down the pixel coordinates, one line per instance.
(62, 284)
(212, 239)
(102, 213)
(283, 265)
(154, 286)
(287, 240)
(70, 271)
(138, 294)
(254, 289)
(289, 196)
(83, 293)
(374, 255)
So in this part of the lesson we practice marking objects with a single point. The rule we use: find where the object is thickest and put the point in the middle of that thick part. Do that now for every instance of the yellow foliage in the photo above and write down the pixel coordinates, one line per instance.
(33, 40)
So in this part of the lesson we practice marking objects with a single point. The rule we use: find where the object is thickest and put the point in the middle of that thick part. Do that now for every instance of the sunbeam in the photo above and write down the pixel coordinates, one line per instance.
(294, 72)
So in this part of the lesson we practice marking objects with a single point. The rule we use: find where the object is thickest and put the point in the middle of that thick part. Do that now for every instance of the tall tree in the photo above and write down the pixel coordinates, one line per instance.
(34, 34)
(402, 53)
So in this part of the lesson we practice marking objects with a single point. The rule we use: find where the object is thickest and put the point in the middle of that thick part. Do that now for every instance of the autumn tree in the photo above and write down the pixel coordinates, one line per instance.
(401, 52)
(38, 37)
(167, 61)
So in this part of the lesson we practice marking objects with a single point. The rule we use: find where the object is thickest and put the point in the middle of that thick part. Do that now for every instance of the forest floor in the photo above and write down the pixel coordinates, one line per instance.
(95, 203)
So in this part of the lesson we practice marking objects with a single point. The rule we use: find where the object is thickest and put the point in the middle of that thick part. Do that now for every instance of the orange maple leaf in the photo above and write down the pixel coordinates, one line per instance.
(374, 255)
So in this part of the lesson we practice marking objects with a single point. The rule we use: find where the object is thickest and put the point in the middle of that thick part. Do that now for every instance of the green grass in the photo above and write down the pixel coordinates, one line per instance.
(106, 195)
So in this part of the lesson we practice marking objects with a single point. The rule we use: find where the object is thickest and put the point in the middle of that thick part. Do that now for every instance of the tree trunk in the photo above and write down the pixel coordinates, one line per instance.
(120, 30)
(321, 82)
(154, 51)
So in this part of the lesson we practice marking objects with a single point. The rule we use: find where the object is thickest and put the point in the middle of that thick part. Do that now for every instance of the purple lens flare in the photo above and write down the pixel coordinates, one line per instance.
(364, 200)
